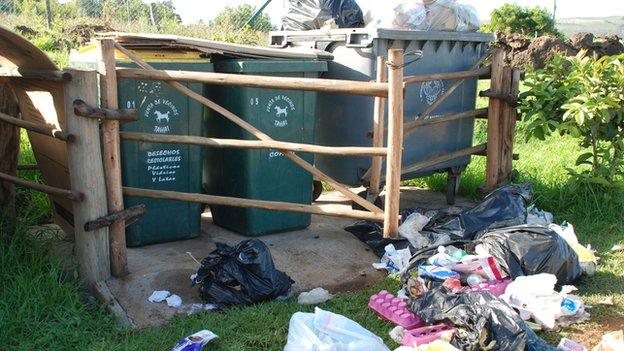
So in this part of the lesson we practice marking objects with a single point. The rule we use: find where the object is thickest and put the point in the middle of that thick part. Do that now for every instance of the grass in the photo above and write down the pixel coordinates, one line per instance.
(42, 306)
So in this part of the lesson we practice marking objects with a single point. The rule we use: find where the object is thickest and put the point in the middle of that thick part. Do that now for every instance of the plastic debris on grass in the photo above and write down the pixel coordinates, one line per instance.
(196, 341)
(394, 261)
(314, 297)
(613, 341)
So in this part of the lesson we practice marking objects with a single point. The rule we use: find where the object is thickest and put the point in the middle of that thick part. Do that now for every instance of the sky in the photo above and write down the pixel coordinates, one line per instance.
(195, 10)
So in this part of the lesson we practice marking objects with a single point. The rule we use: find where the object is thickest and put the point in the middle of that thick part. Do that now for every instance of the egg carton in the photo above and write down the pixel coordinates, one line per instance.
(394, 310)
(425, 335)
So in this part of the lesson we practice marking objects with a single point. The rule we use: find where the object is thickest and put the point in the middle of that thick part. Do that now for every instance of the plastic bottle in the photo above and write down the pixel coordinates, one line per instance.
(474, 280)
(456, 253)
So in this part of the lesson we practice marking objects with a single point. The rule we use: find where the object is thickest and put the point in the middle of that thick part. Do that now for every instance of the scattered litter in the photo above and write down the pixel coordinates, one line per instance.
(570, 345)
(323, 330)
(617, 248)
(394, 309)
(438, 345)
(529, 250)
(397, 334)
(158, 296)
(416, 286)
(535, 216)
(174, 301)
(316, 14)
(453, 285)
(241, 275)
(394, 261)
(200, 307)
(314, 297)
(484, 318)
(494, 287)
(196, 341)
(427, 335)
(411, 227)
(613, 341)
(437, 273)
(587, 258)
(535, 298)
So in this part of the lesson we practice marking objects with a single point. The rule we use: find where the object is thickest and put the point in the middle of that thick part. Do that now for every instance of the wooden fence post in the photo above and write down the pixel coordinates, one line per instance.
(378, 130)
(495, 110)
(512, 83)
(395, 143)
(112, 156)
(9, 152)
(87, 176)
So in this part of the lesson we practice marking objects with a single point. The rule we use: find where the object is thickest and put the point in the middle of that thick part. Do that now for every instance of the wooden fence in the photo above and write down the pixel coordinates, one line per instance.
(95, 167)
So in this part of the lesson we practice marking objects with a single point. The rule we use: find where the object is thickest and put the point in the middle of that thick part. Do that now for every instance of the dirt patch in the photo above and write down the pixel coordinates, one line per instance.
(590, 334)
(81, 34)
(525, 53)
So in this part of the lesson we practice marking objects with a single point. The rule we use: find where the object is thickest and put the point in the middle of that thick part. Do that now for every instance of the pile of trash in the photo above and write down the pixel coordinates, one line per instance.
(483, 277)
(427, 15)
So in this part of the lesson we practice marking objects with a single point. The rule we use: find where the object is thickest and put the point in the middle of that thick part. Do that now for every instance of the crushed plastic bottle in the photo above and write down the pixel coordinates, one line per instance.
(475, 279)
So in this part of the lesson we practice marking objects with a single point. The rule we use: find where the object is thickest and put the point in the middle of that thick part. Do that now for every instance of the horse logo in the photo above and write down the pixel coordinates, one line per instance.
(161, 117)
(281, 112)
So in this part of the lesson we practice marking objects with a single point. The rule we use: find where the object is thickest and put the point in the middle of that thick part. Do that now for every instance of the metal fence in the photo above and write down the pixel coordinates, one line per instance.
(122, 15)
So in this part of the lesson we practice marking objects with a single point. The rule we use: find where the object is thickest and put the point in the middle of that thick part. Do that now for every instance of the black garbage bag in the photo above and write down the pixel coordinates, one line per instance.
(530, 250)
(312, 14)
(504, 207)
(241, 275)
(480, 319)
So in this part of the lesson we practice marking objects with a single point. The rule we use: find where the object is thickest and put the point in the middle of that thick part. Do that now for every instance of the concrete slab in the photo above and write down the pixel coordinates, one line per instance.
(324, 255)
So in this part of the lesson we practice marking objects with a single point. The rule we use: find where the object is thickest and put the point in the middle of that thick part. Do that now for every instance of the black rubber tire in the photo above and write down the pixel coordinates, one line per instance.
(317, 189)
(452, 186)
(364, 194)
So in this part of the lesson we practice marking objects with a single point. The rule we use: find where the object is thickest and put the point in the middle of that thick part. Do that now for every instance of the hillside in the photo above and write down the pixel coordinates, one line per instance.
(599, 25)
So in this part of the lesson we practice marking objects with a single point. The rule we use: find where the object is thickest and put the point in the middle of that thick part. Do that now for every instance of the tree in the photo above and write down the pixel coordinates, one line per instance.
(524, 20)
(234, 18)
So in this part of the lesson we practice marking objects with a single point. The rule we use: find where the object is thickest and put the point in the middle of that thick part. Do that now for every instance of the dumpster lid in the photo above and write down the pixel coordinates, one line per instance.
(270, 66)
(360, 37)
(160, 41)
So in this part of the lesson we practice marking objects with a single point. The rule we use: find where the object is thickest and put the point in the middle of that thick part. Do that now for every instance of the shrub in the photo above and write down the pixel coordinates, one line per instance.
(530, 21)
(582, 97)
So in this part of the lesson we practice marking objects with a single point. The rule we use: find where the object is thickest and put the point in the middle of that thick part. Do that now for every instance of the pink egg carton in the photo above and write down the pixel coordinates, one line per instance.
(425, 335)
(394, 310)
(495, 287)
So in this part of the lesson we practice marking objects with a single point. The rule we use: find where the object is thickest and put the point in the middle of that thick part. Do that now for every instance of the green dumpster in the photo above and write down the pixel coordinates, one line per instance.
(173, 167)
(285, 115)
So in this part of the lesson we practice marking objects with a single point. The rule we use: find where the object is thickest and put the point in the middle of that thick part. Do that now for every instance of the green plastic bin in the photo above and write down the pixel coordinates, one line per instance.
(174, 167)
(285, 115)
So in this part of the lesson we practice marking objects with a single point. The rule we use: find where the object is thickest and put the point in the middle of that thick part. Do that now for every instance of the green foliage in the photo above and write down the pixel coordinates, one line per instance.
(235, 18)
(582, 97)
(524, 20)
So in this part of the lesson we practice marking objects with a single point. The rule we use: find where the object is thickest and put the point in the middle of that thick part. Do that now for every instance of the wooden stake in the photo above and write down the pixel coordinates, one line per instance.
(128, 215)
(395, 143)
(257, 133)
(478, 72)
(9, 149)
(87, 176)
(68, 194)
(494, 143)
(112, 156)
(255, 144)
(266, 205)
(510, 117)
(378, 129)
(53, 75)
(122, 115)
(256, 81)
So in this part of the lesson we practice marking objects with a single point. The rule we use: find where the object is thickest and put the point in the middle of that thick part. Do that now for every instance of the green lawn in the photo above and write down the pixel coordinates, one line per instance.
(42, 308)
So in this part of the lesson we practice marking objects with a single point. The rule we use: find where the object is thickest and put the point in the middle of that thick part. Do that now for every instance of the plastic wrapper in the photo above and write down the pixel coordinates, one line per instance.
(529, 250)
(328, 331)
(195, 342)
(394, 261)
(486, 320)
(429, 15)
(315, 14)
(241, 275)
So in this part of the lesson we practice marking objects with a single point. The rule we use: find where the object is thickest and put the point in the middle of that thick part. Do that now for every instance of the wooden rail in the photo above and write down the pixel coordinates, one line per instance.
(255, 81)
(444, 158)
(67, 194)
(38, 128)
(27, 73)
(122, 115)
(479, 72)
(265, 205)
(254, 144)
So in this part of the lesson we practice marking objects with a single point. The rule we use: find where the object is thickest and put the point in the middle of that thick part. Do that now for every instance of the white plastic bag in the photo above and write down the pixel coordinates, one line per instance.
(326, 331)
(429, 15)
(411, 227)
(394, 261)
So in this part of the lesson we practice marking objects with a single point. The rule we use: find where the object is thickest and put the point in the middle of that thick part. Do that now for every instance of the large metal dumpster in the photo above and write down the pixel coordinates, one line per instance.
(346, 120)
(163, 111)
